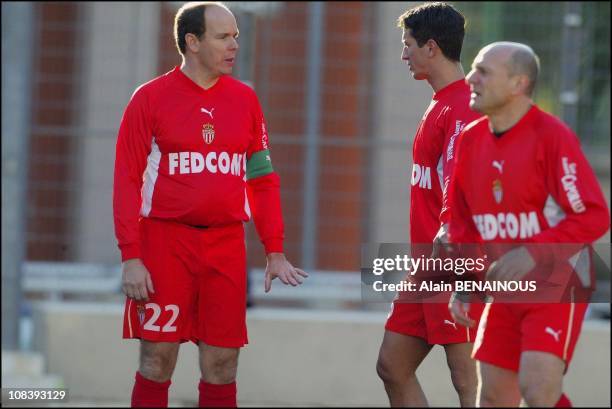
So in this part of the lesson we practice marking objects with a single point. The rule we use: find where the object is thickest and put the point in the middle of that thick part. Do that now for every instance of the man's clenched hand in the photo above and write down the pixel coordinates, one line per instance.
(513, 265)
(459, 310)
(136, 280)
(441, 242)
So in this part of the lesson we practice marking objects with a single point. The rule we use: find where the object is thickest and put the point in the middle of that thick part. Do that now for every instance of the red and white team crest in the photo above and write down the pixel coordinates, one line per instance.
(498, 192)
(208, 133)
(141, 313)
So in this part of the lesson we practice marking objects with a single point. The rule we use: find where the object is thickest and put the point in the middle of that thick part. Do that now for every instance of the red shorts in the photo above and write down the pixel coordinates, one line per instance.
(199, 278)
(506, 330)
(431, 321)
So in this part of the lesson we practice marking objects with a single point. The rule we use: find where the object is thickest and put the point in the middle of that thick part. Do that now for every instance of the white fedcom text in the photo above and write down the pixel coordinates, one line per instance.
(510, 225)
(195, 162)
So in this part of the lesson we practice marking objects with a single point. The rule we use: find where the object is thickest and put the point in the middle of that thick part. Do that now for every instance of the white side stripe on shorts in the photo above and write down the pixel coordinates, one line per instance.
(129, 318)
(569, 326)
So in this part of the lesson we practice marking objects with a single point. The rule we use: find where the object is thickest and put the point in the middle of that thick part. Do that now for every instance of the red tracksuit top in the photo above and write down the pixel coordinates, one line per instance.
(532, 184)
(182, 154)
(433, 156)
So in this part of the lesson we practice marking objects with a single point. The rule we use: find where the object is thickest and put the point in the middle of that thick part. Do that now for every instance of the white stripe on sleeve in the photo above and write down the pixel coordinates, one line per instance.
(149, 178)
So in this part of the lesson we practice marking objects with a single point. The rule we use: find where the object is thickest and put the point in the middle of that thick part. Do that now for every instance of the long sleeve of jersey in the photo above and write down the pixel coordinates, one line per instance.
(459, 217)
(462, 231)
(574, 187)
(132, 150)
(455, 123)
(264, 198)
(263, 187)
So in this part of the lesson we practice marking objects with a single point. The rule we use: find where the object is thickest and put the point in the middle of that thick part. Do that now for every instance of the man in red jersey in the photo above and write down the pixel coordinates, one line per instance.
(521, 177)
(432, 37)
(192, 164)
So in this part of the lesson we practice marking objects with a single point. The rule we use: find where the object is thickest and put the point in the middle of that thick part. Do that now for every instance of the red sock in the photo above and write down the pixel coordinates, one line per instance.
(563, 402)
(217, 396)
(149, 394)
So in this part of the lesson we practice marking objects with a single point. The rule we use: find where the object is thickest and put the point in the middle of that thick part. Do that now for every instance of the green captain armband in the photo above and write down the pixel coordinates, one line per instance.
(259, 165)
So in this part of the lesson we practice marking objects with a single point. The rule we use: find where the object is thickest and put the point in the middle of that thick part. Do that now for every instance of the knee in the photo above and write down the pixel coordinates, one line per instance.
(464, 380)
(157, 366)
(221, 368)
(540, 394)
(488, 398)
(496, 394)
(382, 369)
(388, 373)
(224, 362)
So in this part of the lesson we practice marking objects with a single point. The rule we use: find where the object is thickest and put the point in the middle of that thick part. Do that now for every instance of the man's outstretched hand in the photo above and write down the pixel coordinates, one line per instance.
(279, 266)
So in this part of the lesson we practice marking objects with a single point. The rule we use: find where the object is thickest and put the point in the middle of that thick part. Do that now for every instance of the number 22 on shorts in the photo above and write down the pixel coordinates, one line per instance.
(168, 327)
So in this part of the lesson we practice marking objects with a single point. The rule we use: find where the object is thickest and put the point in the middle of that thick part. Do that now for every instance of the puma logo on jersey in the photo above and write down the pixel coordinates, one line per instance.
(507, 225)
(195, 162)
(555, 334)
(568, 180)
(499, 166)
(451, 323)
(421, 175)
(206, 111)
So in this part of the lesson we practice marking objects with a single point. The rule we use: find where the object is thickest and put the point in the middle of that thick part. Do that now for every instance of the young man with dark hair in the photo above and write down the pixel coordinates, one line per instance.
(192, 164)
(432, 37)
(522, 170)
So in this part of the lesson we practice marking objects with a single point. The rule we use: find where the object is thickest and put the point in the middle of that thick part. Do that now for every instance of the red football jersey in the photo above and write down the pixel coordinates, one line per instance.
(182, 155)
(433, 156)
(531, 184)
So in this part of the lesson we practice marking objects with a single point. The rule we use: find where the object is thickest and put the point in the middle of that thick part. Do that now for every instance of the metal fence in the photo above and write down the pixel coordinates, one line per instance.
(572, 40)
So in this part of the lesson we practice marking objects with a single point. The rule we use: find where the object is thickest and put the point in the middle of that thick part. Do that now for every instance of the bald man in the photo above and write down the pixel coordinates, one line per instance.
(521, 177)
(192, 164)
